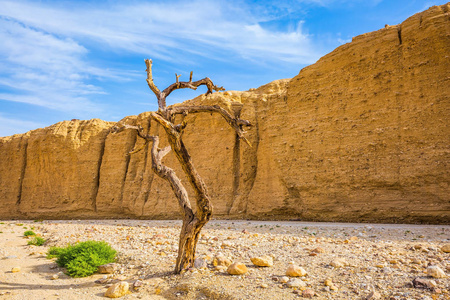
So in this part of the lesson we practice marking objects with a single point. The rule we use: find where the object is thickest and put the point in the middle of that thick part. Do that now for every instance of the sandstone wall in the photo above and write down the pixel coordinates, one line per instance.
(361, 135)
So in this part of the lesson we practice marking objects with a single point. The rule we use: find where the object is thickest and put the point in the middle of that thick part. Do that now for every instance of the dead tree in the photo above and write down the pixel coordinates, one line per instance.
(193, 222)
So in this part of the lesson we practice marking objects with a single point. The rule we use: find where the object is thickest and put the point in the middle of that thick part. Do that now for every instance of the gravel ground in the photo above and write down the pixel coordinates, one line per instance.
(342, 261)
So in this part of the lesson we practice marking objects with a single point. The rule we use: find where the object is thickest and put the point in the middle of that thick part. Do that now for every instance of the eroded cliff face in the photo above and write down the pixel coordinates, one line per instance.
(362, 135)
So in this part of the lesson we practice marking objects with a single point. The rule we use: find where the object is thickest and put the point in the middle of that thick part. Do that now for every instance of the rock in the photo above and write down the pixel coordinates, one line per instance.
(200, 263)
(338, 263)
(15, 270)
(284, 279)
(436, 272)
(422, 283)
(221, 260)
(138, 283)
(373, 295)
(308, 293)
(445, 248)
(263, 261)
(117, 290)
(220, 268)
(318, 250)
(295, 271)
(237, 269)
(108, 268)
(102, 280)
(328, 282)
(264, 285)
(296, 283)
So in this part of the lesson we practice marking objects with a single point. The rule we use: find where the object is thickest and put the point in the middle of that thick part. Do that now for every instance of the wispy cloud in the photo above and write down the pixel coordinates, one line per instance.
(168, 27)
(47, 46)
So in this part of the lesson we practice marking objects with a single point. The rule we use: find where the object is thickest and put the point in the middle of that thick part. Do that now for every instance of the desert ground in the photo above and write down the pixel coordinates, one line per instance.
(341, 260)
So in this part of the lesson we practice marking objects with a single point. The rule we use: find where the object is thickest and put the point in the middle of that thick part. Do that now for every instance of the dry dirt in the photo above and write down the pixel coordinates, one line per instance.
(380, 260)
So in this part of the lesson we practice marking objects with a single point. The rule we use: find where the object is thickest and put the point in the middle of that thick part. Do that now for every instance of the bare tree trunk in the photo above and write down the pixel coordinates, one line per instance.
(192, 222)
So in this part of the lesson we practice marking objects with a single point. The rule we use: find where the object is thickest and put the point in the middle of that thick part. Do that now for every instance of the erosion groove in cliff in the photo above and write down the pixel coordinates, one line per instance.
(97, 175)
(361, 135)
(23, 168)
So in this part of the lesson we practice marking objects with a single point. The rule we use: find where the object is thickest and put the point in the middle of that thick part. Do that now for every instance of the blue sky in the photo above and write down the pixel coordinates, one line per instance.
(61, 60)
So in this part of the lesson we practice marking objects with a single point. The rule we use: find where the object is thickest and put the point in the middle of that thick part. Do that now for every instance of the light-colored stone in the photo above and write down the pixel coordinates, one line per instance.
(117, 290)
(262, 261)
(338, 263)
(15, 270)
(237, 269)
(283, 279)
(221, 260)
(295, 271)
(328, 282)
(200, 263)
(296, 283)
(108, 268)
(436, 272)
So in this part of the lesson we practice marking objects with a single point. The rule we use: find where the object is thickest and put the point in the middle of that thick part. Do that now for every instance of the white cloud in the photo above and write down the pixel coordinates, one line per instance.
(43, 69)
(46, 48)
(174, 27)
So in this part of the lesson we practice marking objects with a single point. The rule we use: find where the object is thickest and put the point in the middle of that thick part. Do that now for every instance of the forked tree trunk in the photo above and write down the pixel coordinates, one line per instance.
(192, 222)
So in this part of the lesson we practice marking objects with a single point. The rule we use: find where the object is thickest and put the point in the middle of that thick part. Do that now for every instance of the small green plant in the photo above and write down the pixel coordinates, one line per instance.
(37, 241)
(83, 259)
(19, 224)
(29, 233)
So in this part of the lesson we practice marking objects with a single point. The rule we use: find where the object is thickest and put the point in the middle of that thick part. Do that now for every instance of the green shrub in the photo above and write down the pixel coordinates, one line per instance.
(83, 259)
(37, 241)
(29, 233)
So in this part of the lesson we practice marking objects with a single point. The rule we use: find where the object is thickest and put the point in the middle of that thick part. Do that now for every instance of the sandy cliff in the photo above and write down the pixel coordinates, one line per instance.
(361, 135)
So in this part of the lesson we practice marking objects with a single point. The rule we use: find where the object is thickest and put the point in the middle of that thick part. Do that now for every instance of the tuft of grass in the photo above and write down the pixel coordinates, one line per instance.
(83, 259)
(29, 233)
(37, 241)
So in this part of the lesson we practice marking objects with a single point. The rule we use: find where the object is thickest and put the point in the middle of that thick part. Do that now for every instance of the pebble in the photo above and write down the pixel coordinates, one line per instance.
(221, 260)
(436, 272)
(308, 293)
(295, 271)
(338, 263)
(108, 268)
(421, 283)
(373, 295)
(283, 279)
(445, 248)
(296, 283)
(263, 261)
(237, 269)
(200, 263)
(117, 290)
(15, 270)
(138, 283)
